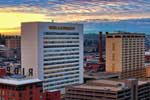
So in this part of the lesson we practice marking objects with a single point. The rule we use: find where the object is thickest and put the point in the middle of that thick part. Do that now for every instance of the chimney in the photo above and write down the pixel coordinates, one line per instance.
(100, 48)
(107, 33)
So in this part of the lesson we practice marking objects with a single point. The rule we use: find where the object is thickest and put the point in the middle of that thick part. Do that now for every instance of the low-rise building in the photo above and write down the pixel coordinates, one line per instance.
(21, 87)
(147, 57)
(2, 72)
(130, 89)
(51, 95)
(14, 88)
(13, 42)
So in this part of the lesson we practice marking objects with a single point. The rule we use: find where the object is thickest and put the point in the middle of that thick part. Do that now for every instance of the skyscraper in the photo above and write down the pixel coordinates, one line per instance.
(125, 54)
(54, 51)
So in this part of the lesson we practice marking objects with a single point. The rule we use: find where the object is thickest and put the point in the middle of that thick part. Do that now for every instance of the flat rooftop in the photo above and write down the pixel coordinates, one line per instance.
(147, 53)
(100, 75)
(107, 85)
(103, 88)
(125, 34)
(18, 80)
(142, 82)
(107, 82)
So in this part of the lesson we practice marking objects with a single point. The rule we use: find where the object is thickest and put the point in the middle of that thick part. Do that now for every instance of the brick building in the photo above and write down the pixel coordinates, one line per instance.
(16, 88)
(13, 42)
(13, 45)
(20, 87)
(51, 95)
(2, 72)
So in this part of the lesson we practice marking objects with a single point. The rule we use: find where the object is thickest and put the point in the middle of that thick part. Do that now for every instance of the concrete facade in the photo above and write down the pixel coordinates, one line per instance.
(130, 89)
(54, 51)
(125, 54)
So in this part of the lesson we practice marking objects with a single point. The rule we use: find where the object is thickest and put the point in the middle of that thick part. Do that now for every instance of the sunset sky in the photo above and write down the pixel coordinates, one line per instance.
(101, 14)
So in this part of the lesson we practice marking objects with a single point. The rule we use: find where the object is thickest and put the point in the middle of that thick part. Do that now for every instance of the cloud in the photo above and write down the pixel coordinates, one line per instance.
(129, 25)
(72, 10)
(84, 9)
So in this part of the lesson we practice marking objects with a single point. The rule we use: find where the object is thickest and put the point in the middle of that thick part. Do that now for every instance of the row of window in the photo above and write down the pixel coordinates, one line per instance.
(61, 54)
(60, 46)
(62, 58)
(137, 39)
(61, 38)
(52, 42)
(64, 78)
(64, 85)
(62, 70)
(60, 33)
(61, 50)
(63, 62)
(60, 83)
(64, 66)
(59, 75)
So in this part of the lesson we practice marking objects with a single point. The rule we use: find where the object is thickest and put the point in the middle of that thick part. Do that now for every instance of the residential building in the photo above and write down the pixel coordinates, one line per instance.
(125, 54)
(13, 45)
(13, 42)
(54, 51)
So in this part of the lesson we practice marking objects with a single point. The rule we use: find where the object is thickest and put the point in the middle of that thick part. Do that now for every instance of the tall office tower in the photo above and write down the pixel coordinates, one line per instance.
(125, 54)
(54, 51)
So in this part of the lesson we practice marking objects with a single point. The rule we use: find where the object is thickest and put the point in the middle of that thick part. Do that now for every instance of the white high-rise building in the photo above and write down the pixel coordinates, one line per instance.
(54, 51)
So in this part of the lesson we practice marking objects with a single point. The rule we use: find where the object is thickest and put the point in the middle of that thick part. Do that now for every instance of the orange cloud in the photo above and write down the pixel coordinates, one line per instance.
(12, 14)
(13, 19)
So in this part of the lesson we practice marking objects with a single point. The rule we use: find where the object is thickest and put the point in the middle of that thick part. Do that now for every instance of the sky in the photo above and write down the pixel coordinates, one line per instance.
(96, 15)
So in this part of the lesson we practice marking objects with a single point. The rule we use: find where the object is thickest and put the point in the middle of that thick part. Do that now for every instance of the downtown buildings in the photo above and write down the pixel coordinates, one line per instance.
(129, 89)
(125, 57)
(55, 53)
(12, 47)
(125, 54)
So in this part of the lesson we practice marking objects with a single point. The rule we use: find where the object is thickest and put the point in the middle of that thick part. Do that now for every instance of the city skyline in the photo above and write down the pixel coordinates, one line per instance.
(132, 16)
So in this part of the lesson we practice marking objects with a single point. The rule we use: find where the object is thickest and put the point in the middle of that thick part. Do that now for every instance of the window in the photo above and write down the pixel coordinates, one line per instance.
(113, 57)
(113, 67)
(31, 98)
(30, 92)
(30, 86)
(113, 46)
(20, 95)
